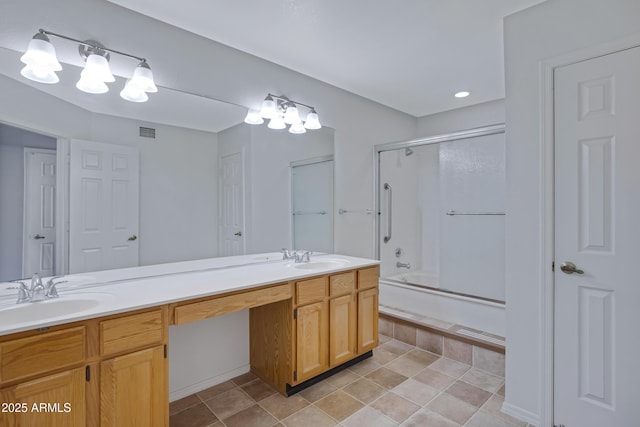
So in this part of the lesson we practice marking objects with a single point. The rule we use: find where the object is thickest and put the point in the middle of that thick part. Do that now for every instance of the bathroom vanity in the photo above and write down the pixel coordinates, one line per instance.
(107, 364)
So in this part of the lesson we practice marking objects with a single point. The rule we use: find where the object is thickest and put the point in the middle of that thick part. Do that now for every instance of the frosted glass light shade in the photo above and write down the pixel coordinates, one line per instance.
(276, 123)
(312, 121)
(131, 92)
(41, 53)
(97, 68)
(253, 118)
(39, 74)
(143, 78)
(297, 128)
(291, 116)
(268, 110)
(89, 85)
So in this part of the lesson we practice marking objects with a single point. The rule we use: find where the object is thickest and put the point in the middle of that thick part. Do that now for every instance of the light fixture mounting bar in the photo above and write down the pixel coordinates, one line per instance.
(85, 43)
(285, 99)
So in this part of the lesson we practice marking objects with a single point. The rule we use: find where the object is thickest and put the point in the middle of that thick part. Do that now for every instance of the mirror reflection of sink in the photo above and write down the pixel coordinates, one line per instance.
(64, 305)
(320, 264)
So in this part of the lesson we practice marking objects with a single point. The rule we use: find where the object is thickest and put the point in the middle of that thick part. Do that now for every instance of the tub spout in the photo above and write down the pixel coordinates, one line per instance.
(403, 265)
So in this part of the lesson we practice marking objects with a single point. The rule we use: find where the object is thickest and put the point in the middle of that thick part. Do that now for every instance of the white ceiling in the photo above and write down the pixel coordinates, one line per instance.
(411, 55)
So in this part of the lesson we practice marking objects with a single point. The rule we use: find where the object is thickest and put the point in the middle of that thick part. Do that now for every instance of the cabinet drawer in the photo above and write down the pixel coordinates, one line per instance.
(217, 306)
(311, 290)
(341, 284)
(130, 332)
(368, 277)
(30, 356)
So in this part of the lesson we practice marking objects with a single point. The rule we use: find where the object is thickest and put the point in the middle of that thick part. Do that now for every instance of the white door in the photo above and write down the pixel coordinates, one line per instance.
(312, 202)
(597, 227)
(103, 212)
(232, 205)
(39, 236)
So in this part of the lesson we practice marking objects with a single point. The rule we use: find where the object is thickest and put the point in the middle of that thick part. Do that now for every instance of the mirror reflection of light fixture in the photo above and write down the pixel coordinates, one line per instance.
(282, 111)
(41, 64)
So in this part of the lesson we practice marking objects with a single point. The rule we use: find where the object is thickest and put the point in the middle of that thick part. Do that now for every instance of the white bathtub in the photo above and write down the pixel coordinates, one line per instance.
(472, 312)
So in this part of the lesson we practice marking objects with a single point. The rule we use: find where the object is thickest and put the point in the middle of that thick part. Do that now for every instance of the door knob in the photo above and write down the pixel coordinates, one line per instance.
(570, 268)
(132, 238)
(37, 236)
(239, 234)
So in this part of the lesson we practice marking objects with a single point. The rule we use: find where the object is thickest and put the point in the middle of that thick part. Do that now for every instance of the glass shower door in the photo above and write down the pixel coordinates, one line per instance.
(442, 215)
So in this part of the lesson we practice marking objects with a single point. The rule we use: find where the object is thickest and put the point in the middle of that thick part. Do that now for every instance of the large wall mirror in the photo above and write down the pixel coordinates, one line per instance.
(208, 184)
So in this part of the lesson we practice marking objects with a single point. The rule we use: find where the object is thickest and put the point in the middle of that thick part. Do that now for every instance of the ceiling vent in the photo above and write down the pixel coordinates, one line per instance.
(147, 132)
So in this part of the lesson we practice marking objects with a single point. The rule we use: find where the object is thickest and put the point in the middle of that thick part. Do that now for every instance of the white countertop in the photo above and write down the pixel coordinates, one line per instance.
(118, 291)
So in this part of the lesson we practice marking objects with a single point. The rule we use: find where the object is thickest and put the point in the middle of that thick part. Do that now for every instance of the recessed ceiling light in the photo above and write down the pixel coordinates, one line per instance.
(462, 94)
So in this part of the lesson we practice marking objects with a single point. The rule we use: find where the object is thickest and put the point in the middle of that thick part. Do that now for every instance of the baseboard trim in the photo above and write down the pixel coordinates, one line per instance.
(205, 384)
(521, 414)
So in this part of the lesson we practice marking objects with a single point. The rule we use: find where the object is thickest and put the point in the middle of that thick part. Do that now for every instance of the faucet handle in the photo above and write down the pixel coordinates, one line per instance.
(302, 256)
(23, 293)
(50, 288)
(286, 254)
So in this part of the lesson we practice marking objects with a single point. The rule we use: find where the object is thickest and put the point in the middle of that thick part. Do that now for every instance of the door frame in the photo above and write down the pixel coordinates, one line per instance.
(547, 210)
(27, 150)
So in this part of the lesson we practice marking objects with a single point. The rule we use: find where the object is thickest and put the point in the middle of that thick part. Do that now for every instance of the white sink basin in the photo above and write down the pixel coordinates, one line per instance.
(320, 264)
(64, 305)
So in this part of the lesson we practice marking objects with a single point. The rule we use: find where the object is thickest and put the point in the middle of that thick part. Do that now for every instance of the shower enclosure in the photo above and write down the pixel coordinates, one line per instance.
(441, 226)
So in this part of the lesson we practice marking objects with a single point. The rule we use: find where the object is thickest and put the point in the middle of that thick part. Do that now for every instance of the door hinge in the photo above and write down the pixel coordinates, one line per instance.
(295, 375)
(295, 313)
(553, 266)
(87, 373)
(558, 425)
(165, 351)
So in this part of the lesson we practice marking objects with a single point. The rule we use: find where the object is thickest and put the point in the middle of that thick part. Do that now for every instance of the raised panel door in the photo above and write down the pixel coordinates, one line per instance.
(133, 389)
(342, 329)
(367, 320)
(312, 339)
(53, 401)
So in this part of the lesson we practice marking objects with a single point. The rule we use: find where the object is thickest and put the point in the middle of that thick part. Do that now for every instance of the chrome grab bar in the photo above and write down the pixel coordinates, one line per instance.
(452, 213)
(388, 188)
(310, 213)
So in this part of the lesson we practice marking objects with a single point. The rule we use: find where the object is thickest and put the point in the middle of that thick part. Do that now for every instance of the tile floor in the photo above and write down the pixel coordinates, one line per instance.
(401, 385)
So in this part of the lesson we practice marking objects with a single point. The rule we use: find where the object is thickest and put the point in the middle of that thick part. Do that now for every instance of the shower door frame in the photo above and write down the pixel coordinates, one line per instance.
(390, 146)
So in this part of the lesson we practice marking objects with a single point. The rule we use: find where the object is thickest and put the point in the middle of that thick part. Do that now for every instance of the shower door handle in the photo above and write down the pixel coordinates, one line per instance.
(387, 188)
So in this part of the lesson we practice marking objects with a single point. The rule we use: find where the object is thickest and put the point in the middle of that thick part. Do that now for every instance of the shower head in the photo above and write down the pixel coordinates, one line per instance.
(408, 151)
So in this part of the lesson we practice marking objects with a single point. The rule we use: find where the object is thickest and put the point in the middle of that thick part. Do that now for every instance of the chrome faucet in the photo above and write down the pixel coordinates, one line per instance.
(37, 291)
(287, 254)
(406, 265)
(302, 256)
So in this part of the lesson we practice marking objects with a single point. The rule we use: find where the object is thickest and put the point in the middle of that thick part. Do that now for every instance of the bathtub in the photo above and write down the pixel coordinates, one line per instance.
(417, 292)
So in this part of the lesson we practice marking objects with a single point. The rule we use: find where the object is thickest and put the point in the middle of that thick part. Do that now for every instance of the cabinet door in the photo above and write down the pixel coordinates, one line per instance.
(312, 339)
(54, 401)
(133, 389)
(367, 320)
(342, 329)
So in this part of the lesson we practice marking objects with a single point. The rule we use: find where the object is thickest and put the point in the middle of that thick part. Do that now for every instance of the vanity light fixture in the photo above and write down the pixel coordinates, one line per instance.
(282, 111)
(41, 65)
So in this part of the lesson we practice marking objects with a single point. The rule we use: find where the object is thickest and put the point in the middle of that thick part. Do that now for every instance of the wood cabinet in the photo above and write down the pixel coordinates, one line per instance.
(113, 370)
(331, 320)
(312, 344)
(109, 371)
(50, 401)
(367, 320)
(132, 389)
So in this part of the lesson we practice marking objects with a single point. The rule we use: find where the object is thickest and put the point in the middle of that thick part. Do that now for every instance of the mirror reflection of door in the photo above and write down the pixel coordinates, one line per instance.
(13, 143)
(312, 204)
(103, 213)
(232, 205)
(39, 212)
